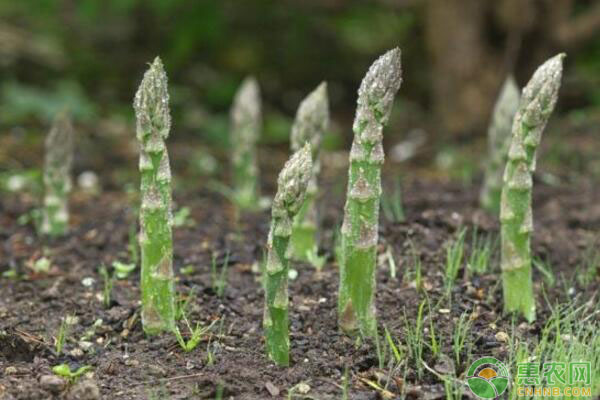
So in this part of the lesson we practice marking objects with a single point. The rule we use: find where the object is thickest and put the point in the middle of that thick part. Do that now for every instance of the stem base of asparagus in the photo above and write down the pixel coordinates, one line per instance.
(277, 337)
(518, 292)
(356, 297)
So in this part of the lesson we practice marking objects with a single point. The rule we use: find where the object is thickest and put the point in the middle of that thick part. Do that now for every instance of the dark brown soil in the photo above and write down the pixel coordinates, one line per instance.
(127, 365)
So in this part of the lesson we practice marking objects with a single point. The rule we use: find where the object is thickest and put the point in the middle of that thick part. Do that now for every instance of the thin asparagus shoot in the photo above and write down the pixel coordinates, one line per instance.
(291, 190)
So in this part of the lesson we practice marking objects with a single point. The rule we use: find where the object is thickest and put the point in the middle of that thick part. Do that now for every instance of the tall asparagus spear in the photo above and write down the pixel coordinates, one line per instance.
(156, 243)
(356, 301)
(57, 176)
(312, 121)
(291, 189)
(499, 137)
(245, 132)
(537, 103)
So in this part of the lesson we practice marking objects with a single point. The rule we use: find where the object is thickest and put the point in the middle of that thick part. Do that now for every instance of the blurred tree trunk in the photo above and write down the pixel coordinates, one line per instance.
(465, 71)
(473, 44)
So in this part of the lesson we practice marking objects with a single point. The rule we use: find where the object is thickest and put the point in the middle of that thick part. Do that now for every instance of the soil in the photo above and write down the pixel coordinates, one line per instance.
(128, 365)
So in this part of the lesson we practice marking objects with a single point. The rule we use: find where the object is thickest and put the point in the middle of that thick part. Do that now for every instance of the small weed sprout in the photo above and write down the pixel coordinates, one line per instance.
(391, 204)
(390, 259)
(210, 358)
(414, 276)
(414, 338)
(588, 270)
(219, 391)
(183, 304)
(537, 103)
(108, 281)
(459, 336)
(183, 217)
(356, 299)
(57, 176)
(345, 384)
(291, 189)
(311, 123)
(63, 332)
(545, 269)
(65, 371)
(197, 334)
(380, 351)
(156, 242)
(133, 245)
(482, 252)
(499, 135)
(219, 279)
(42, 265)
(122, 270)
(396, 349)
(436, 344)
(454, 259)
(246, 124)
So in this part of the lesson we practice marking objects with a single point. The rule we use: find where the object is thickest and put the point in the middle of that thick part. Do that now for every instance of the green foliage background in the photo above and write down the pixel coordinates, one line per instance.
(89, 56)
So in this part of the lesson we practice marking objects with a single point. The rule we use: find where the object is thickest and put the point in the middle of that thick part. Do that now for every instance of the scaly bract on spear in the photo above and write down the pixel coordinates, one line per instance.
(156, 243)
(291, 190)
(537, 103)
(356, 299)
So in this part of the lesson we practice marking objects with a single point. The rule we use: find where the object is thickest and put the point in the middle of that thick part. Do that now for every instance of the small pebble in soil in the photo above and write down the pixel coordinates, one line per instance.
(502, 337)
(10, 370)
(77, 352)
(302, 388)
(52, 383)
(132, 362)
(88, 281)
(85, 389)
(85, 345)
(273, 390)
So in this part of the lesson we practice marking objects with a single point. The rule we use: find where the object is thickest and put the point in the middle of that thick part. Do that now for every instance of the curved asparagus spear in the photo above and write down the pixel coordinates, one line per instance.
(312, 121)
(156, 243)
(499, 137)
(356, 301)
(291, 189)
(537, 103)
(57, 176)
(245, 132)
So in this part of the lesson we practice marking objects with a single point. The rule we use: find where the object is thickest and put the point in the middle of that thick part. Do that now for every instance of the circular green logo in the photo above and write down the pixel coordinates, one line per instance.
(487, 378)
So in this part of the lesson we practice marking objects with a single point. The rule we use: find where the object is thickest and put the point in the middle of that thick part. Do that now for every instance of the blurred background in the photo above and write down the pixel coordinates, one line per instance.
(90, 55)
